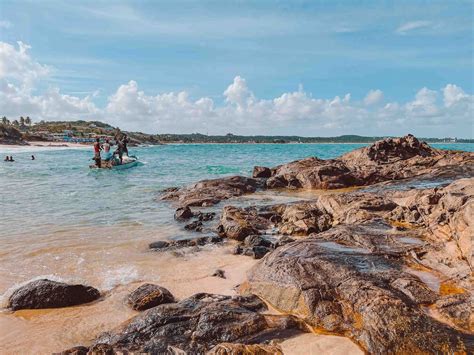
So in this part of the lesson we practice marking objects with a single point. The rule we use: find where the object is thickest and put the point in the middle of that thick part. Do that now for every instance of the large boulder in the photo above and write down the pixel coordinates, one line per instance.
(210, 192)
(354, 292)
(51, 294)
(148, 296)
(195, 325)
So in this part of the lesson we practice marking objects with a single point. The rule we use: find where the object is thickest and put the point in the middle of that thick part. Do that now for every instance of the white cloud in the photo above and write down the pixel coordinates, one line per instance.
(373, 97)
(17, 65)
(241, 111)
(413, 25)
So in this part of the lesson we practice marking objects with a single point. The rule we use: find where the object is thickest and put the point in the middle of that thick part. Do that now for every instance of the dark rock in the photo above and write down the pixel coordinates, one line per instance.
(237, 250)
(195, 226)
(51, 294)
(257, 240)
(261, 172)
(183, 213)
(187, 242)
(195, 325)
(211, 192)
(259, 251)
(237, 223)
(219, 273)
(206, 216)
(76, 350)
(148, 296)
(160, 244)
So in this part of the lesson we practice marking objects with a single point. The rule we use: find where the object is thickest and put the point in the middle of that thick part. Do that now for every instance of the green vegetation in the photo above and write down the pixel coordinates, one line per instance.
(88, 129)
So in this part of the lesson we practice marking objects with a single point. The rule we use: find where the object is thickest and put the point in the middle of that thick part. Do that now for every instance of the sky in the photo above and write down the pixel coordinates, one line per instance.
(311, 68)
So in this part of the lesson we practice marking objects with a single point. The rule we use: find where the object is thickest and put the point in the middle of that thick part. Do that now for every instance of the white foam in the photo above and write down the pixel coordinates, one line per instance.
(121, 276)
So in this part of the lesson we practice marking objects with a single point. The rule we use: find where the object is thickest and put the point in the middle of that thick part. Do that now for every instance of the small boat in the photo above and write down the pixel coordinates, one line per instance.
(128, 161)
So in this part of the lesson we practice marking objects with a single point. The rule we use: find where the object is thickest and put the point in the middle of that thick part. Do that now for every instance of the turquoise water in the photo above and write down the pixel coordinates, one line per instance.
(58, 190)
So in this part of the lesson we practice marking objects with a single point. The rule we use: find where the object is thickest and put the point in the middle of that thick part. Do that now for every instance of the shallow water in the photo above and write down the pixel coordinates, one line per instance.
(61, 220)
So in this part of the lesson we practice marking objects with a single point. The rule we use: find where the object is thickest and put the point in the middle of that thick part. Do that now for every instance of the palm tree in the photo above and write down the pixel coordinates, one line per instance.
(28, 120)
(15, 123)
(22, 121)
(4, 120)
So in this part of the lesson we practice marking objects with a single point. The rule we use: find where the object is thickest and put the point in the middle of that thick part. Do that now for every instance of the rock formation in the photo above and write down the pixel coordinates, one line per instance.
(51, 294)
(148, 296)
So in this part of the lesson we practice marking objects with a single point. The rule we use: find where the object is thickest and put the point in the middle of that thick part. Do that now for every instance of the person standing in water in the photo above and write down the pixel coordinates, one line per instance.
(119, 150)
(32, 157)
(97, 149)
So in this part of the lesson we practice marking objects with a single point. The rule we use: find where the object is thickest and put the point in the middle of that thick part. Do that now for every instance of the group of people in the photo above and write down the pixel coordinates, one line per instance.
(107, 154)
(10, 158)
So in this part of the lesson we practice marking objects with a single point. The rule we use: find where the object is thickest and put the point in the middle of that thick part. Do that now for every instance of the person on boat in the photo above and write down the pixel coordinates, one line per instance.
(97, 149)
(107, 152)
(119, 150)
(124, 143)
(32, 157)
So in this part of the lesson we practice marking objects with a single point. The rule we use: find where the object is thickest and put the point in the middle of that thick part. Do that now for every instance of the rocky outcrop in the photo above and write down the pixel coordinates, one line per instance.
(261, 172)
(51, 294)
(209, 192)
(148, 296)
(385, 160)
(447, 216)
(354, 292)
(196, 325)
(184, 243)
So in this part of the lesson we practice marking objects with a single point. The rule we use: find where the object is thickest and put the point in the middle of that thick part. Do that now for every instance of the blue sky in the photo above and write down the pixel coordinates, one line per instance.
(324, 48)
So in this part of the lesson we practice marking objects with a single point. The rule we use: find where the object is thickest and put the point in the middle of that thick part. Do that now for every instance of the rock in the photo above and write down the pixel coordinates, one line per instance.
(183, 213)
(195, 325)
(51, 294)
(160, 244)
(206, 216)
(259, 252)
(219, 273)
(239, 223)
(244, 349)
(211, 192)
(237, 250)
(385, 160)
(349, 291)
(183, 243)
(148, 296)
(446, 216)
(195, 226)
(257, 240)
(261, 172)
(457, 309)
(76, 350)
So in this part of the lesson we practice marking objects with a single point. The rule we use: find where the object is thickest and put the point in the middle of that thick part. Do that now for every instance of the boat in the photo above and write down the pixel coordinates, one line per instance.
(128, 161)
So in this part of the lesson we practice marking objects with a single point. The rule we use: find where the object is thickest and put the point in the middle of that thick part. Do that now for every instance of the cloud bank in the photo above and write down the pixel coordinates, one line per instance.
(450, 108)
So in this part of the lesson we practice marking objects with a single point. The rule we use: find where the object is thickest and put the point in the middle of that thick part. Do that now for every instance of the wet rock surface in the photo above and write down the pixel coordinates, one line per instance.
(210, 192)
(148, 295)
(196, 325)
(51, 294)
(366, 296)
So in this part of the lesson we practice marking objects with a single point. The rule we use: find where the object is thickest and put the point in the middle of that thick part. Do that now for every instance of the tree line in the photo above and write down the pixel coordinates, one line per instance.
(23, 121)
